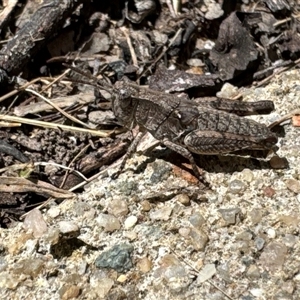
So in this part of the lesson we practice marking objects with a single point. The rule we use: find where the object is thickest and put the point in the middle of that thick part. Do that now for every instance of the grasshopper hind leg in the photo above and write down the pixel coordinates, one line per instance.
(188, 155)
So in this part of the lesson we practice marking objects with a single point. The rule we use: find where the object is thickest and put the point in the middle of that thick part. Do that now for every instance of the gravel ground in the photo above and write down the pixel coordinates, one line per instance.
(152, 234)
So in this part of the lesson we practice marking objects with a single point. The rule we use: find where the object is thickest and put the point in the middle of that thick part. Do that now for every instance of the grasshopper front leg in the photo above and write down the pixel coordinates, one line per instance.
(130, 151)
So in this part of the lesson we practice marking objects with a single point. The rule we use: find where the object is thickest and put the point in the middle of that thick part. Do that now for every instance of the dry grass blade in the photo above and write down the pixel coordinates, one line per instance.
(9, 124)
(15, 92)
(62, 102)
(23, 185)
(57, 108)
(197, 272)
(131, 48)
(101, 133)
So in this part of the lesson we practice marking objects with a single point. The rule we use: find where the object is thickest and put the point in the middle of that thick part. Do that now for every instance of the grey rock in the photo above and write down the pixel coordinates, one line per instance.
(117, 258)
(197, 220)
(176, 278)
(259, 243)
(199, 239)
(161, 171)
(255, 215)
(230, 215)
(273, 256)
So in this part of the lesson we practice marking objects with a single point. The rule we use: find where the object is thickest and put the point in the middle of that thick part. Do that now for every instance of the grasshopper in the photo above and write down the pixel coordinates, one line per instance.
(186, 127)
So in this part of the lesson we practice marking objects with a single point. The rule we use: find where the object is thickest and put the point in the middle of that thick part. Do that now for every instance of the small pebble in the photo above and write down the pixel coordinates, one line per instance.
(109, 222)
(247, 175)
(82, 268)
(269, 191)
(244, 236)
(145, 205)
(130, 222)
(293, 185)
(9, 281)
(259, 293)
(199, 239)
(253, 272)
(161, 171)
(288, 286)
(290, 220)
(3, 264)
(68, 229)
(102, 287)
(53, 212)
(118, 208)
(131, 235)
(16, 244)
(52, 236)
(224, 273)
(173, 273)
(259, 243)
(30, 266)
(144, 265)
(161, 214)
(296, 121)
(69, 292)
(197, 220)
(122, 278)
(228, 91)
(183, 199)
(236, 186)
(184, 231)
(273, 256)
(255, 215)
(207, 272)
(271, 233)
(290, 240)
(35, 222)
(230, 215)
(195, 62)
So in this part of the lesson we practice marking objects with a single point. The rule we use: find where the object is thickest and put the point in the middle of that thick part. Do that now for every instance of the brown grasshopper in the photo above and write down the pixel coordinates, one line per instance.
(186, 126)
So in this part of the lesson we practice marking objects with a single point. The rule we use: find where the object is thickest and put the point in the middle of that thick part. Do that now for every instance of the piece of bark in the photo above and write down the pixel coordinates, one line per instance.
(234, 49)
(179, 81)
(6, 13)
(44, 24)
(10, 150)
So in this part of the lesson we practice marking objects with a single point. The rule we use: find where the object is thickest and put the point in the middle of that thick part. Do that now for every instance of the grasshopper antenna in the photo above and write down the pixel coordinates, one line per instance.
(94, 81)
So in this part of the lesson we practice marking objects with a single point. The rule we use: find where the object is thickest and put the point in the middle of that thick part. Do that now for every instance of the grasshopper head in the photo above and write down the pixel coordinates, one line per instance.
(123, 105)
